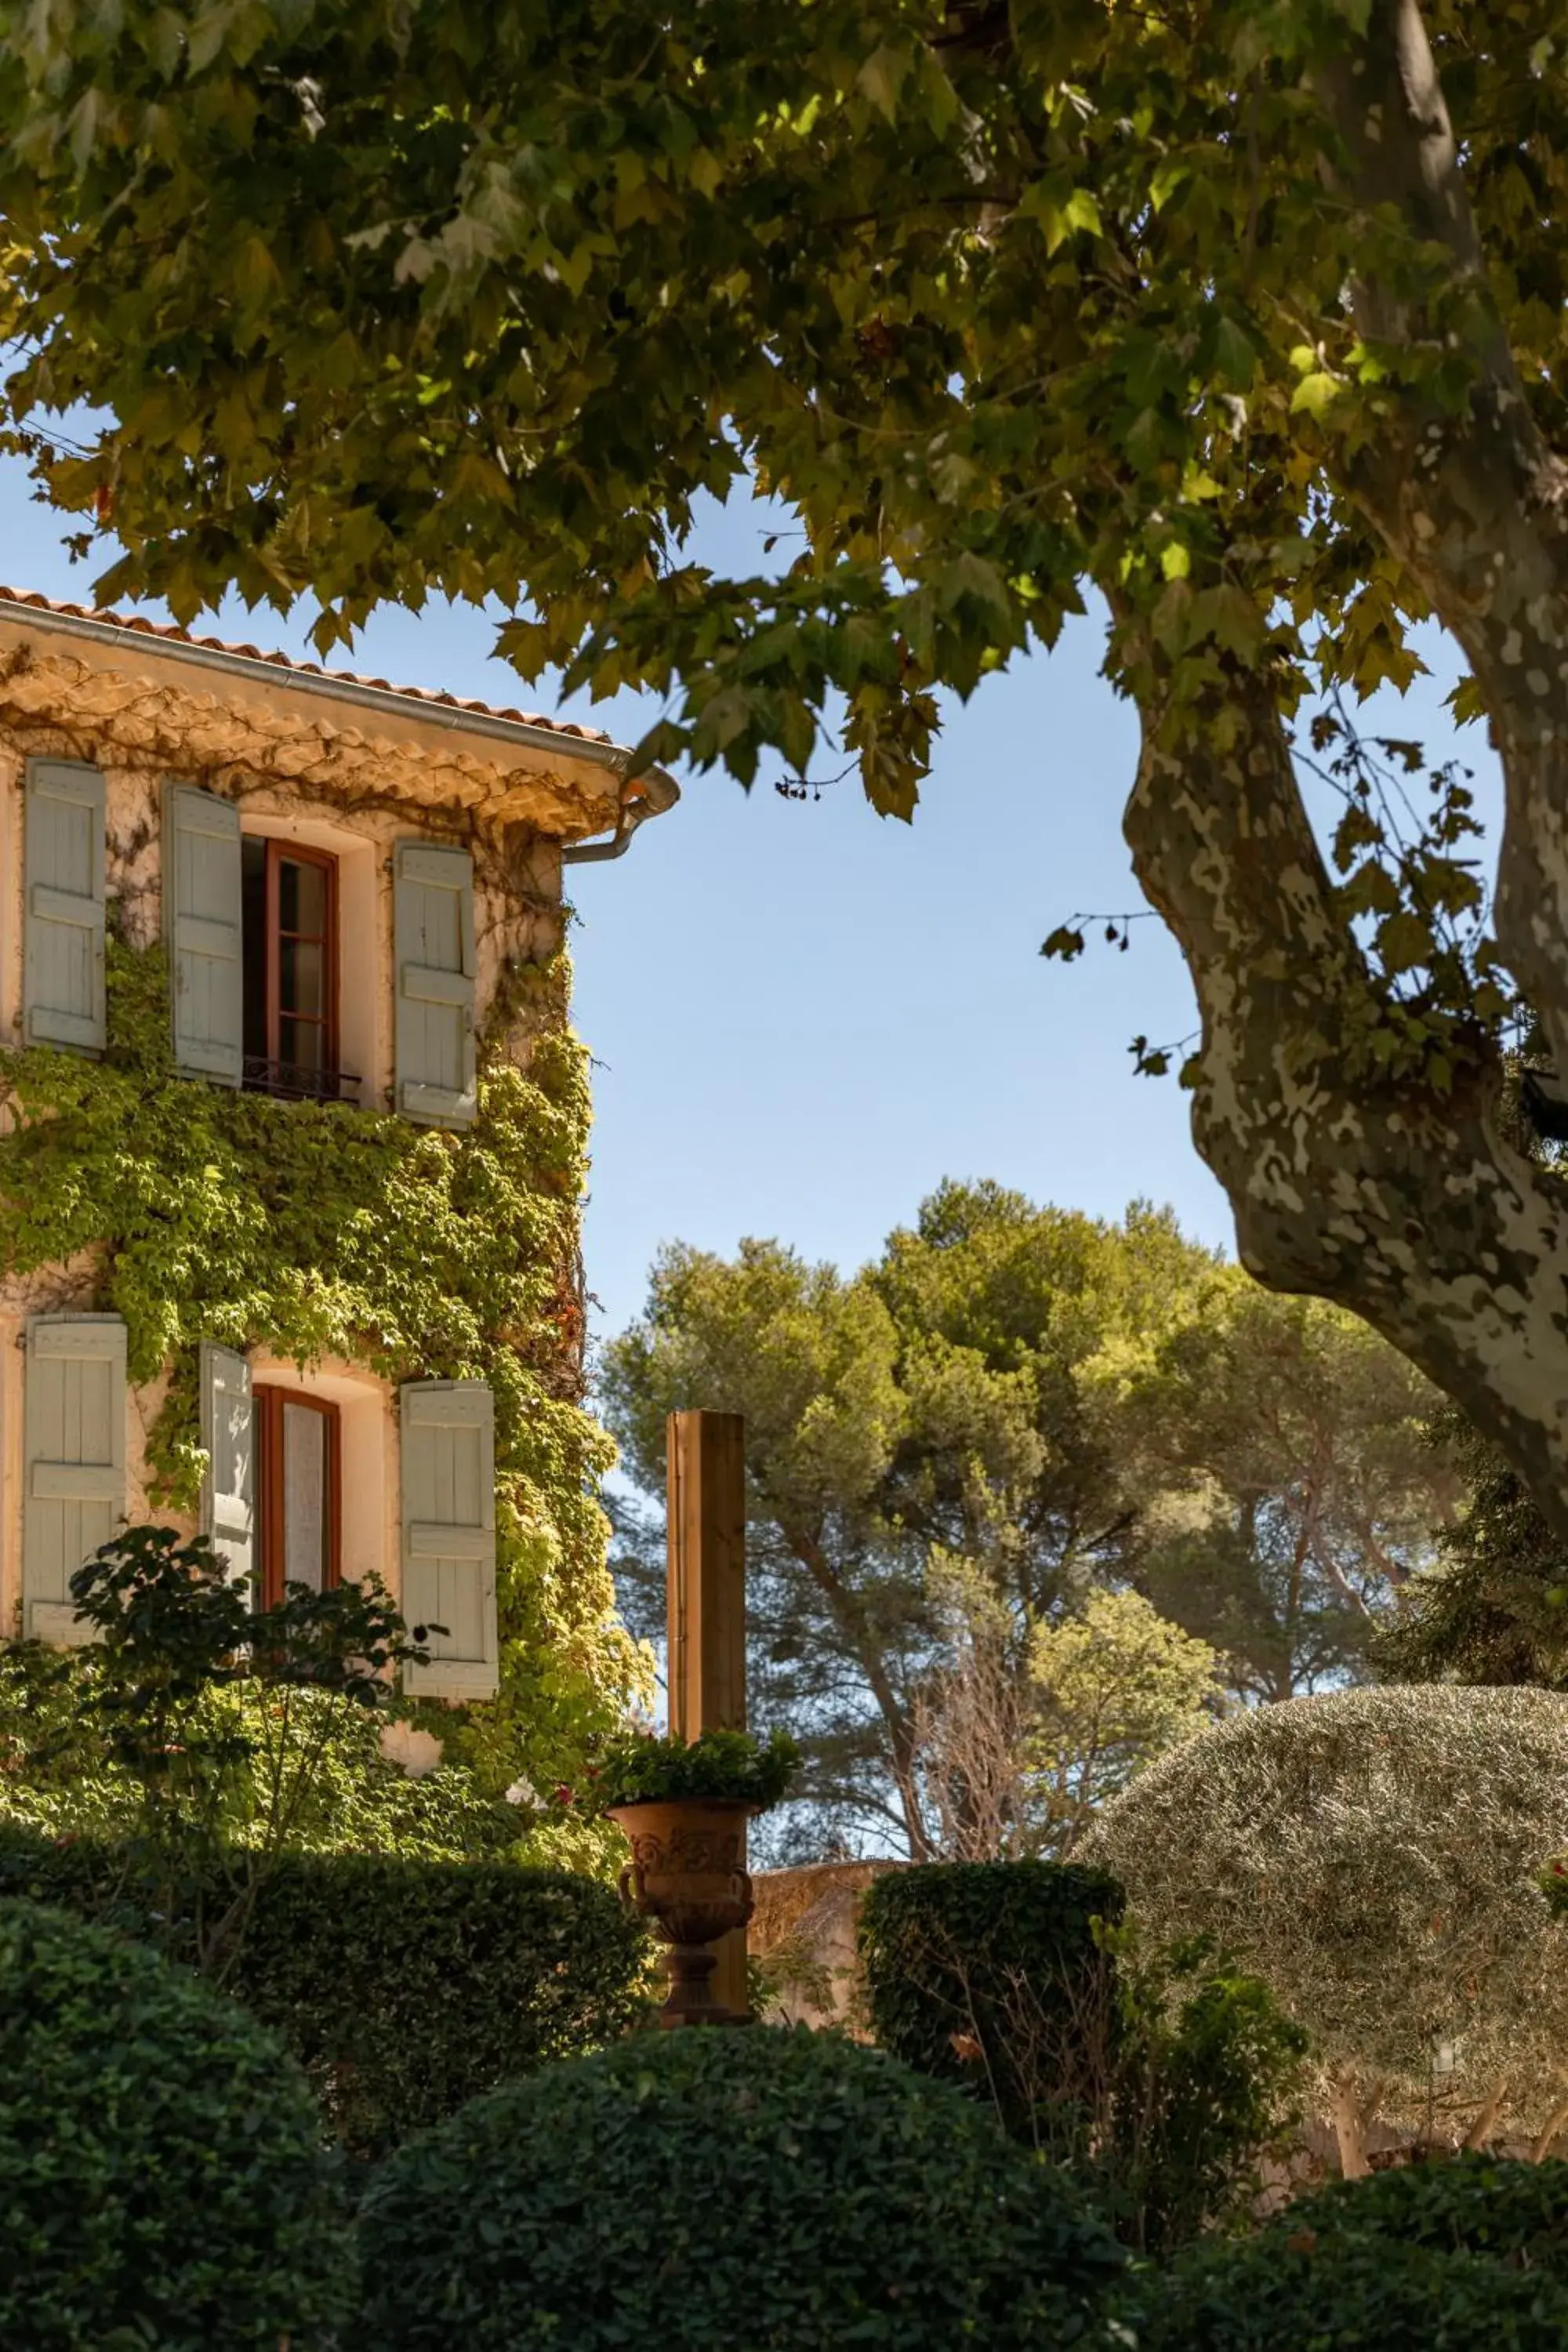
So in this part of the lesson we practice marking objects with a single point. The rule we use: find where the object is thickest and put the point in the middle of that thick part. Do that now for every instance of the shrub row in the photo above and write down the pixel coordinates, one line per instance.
(403, 1988)
(162, 2184)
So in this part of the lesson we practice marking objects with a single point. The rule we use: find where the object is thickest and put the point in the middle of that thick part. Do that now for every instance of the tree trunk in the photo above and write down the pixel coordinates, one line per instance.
(1398, 1198)
(1407, 1205)
(850, 1618)
(1481, 2130)
(1548, 2133)
(1350, 2120)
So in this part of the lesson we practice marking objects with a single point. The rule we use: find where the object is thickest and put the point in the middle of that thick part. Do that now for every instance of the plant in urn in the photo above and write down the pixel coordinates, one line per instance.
(682, 1807)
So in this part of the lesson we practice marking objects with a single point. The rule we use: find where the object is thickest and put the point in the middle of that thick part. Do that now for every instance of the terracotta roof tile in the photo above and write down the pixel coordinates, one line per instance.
(137, 623)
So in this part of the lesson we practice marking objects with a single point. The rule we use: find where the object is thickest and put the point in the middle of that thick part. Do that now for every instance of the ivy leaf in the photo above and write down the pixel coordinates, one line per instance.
(1315, 395)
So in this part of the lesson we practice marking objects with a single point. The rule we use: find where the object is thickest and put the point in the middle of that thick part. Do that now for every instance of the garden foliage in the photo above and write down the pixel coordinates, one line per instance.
(163, 2182)
(776, 2188)
(1159, 2077)
(642, 1769)
(1449, 2255)
(403, 1987)
(221, 1790)
(946, 1948)
(1374, 1856)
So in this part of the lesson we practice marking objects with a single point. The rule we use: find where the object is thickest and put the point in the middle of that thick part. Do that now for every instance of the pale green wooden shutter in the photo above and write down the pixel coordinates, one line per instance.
(449, 1535)
(227, 1434)
(202, 926)
(433, 923)
(73, 1494)
(63, 853)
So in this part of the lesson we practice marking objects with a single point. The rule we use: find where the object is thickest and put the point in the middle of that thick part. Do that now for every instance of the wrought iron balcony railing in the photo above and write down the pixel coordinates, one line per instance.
(294, 1083)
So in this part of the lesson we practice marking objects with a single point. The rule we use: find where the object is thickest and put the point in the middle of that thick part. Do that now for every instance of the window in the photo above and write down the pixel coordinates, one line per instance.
(299, 1491)
(289, 917)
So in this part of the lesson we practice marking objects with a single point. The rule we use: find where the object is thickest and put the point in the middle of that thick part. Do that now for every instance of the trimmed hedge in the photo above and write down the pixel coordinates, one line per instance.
(1498, 2206)
(1348, 2295)
(404, 1988)
(770, 2187)
(162, 2180)
(1446, 2254)
(947, 1949)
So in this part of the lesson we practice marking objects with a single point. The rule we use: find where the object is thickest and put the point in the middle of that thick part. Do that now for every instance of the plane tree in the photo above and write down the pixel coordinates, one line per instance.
(1245, 314)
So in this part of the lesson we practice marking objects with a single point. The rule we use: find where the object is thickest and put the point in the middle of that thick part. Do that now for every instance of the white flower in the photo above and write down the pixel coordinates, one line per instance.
(522, 1792)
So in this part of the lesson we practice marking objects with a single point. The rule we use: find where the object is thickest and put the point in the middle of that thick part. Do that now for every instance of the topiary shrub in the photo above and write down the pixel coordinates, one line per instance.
(1374, 1856)
(952, 1952)
(1287, 2293)
(1511, 2210)
(1412, 2256)
(403, 1987)
(406, 1989)
(774, 2189)
(162, 2179)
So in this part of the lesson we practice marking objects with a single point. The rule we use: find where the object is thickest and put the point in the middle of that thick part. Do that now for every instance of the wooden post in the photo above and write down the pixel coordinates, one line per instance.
(707, 1600)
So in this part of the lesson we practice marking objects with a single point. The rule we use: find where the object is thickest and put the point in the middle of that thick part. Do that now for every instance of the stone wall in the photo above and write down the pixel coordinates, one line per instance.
(803, 1932)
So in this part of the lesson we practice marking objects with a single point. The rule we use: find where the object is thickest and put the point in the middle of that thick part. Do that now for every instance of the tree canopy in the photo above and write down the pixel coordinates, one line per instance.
(1250, 317)
(1493, 1605)
(1290, 1481)
(937, 1400)
(1013, 1410)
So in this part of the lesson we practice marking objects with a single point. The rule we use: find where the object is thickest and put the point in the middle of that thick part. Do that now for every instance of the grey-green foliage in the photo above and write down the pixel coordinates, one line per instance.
(776, 2189)
(1371, 1854)
(164, 2185)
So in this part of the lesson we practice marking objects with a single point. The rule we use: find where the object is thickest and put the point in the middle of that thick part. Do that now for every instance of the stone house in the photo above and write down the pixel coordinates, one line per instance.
(342, 887)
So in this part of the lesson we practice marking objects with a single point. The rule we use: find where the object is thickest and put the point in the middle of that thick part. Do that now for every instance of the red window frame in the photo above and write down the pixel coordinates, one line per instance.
(279, 853)
(267, 1405)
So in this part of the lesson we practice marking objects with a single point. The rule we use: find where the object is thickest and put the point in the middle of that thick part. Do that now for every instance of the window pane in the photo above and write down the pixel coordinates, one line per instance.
(302, 898)
(301, 1045)
(253, 939)
(304, 1496)
(301, 977)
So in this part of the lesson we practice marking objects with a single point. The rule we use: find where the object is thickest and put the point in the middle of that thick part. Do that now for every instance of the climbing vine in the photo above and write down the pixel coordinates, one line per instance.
(195, 1212)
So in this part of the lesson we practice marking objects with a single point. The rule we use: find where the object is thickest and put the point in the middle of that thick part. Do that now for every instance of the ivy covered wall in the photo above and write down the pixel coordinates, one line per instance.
(328, 1235)
(195, 1212)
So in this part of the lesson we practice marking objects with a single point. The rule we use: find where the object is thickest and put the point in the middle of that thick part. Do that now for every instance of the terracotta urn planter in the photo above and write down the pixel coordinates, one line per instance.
(686, 1877)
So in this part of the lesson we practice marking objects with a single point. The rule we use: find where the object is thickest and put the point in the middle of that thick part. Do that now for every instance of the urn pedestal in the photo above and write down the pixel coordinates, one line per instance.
(686, 1877)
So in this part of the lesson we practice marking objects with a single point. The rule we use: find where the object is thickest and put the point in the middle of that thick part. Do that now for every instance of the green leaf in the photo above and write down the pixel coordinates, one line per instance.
(882, 77)
(1316, 395)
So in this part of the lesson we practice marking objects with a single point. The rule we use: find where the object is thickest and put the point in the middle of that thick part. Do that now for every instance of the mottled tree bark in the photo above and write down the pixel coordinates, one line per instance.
(1410, 1207)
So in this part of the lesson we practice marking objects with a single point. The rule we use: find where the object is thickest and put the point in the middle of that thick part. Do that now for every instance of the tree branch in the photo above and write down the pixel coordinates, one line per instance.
(1330, 1166)
(1473, 502)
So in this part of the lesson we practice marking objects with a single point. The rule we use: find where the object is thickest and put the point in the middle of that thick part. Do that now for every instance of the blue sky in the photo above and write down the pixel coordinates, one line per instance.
(805, 1015)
